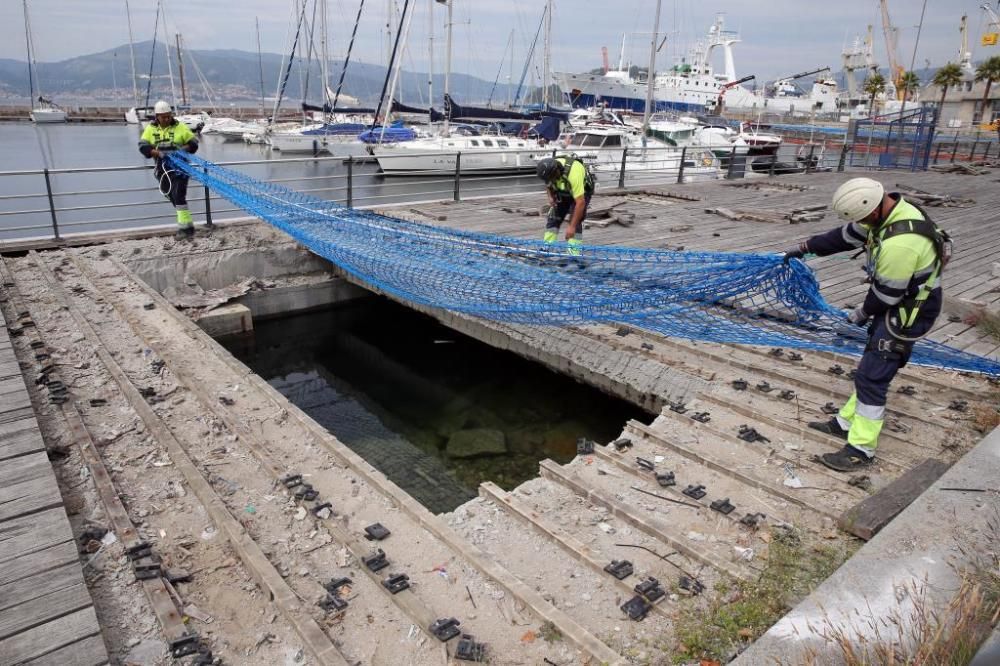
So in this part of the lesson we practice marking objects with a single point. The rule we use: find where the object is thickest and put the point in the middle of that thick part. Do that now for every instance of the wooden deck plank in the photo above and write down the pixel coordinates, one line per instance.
(20, 438)
(28, 497)
(44, 582)
(38, 562)
(47, 638)
(43, 608)
(87, 652)
(873, 513)
(30, 534)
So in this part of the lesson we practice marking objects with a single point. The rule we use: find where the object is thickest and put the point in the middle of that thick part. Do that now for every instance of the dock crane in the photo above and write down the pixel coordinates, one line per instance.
(992, 34)
(795, 77)
(891, 34)
(727, 86)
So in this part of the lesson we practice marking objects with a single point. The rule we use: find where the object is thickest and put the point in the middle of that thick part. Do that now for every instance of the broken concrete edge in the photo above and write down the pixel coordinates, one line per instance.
(923, 548)
(492, 569)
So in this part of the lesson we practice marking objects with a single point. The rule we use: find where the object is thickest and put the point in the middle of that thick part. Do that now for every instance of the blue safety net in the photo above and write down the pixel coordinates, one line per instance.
(752, 299)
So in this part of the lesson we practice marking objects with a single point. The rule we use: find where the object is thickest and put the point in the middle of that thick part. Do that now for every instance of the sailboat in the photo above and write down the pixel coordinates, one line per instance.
(42, 110)
(480, 154)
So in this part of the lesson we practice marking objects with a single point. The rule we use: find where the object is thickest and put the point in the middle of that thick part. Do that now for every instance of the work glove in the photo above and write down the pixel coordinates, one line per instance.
(796, 252)
(858, 317)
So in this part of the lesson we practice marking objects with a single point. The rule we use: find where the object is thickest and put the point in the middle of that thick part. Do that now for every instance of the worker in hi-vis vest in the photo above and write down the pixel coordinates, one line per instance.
(569, 185)
(164, 134)
(906, 253)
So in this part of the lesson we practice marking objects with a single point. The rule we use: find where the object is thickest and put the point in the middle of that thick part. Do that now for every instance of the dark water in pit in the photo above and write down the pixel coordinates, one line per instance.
(436, 411)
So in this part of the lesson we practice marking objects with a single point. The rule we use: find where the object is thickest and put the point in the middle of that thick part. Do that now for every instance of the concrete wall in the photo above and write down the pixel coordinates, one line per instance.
(921, 548)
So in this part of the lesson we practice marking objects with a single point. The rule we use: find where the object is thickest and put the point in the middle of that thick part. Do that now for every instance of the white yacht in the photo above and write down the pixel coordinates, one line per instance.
(47, 112)
(480, 154)
(43, 111)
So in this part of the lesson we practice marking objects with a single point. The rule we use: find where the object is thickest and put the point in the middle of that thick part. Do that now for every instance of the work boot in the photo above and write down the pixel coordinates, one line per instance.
(184, 233)
(848, 459)
(831, 427)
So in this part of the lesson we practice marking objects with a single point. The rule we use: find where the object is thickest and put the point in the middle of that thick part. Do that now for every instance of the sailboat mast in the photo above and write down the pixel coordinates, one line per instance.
(30, 56)
(547, 58)
(131, 53)
(324, 54)
(260, 66)
(652, 67)
(180, 70)
(447, 66)
(430, 63)
(170, 66)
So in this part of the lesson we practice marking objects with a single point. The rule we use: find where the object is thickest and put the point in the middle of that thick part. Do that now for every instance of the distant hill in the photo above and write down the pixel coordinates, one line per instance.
(232, 75)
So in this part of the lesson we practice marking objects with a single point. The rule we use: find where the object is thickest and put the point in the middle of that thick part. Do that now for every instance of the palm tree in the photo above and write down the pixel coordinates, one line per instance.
(947, 77)
(910, 83)
(989, 71)
(874, 85)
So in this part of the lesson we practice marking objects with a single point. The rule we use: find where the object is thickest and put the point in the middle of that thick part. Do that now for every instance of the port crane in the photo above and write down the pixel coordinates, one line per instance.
(992, 34)
(891, 34)
(727, 86)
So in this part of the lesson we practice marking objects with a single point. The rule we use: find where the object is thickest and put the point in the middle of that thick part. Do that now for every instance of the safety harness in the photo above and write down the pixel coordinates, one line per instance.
(568, 162)
(909, 308)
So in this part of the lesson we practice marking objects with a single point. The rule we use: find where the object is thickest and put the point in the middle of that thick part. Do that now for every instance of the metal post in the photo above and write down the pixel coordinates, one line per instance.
(937, 153)
(458, 176)
(986, 153)
(680, 171)
(208, 204)
(350, 182)
(732, 160)
(843, 157)
(774, 160)
(972, 153)
(954, 149)
(52, 205)
(621, 174)
(809, 159)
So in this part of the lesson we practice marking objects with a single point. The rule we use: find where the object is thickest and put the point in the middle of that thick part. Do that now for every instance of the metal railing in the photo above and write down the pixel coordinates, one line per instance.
(51, 203)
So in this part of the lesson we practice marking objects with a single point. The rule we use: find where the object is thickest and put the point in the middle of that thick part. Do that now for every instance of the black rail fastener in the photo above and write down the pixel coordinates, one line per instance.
(666, 479)
(748, 434)
(147, 567)
(764, 387)
(332, 603)
(584, 446)
(36, 344)
(959, 406)
(333, 587)
(623, 331)
(469, 650)
(740, 384)
(396, 583)
(787, 394)
(292, 480)
(445, 629)
(647, 346)
(622, 443)
(752, 520)
(316, 510)
(620, 569)
(42, 356)
(149, 306)
(650, 589)
(794, 356)
(175, 576)
(776, 352)
(723, 506)
(701, 417)
(678, 407)
(98, 402)
(851, 373)
(184, 646)
(306, 492)
(139, 550)
(376, 561)
(647, 465)
(695, 492)
(835, 370)
(692, 585)
(909, 389)
(636, 608)
(830, 408)
(376, 532)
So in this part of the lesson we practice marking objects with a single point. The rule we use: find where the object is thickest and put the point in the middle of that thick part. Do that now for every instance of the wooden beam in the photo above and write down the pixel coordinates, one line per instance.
(872, 514)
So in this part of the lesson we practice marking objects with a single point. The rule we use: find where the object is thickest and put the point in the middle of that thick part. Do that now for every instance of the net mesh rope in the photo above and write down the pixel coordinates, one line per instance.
(752, 299)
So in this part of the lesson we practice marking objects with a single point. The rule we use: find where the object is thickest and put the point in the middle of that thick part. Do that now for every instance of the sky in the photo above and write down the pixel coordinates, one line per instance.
(780, 37)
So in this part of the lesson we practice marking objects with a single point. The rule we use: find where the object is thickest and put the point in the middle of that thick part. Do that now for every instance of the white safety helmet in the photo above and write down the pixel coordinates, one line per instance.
(162, 107)
(857, 198)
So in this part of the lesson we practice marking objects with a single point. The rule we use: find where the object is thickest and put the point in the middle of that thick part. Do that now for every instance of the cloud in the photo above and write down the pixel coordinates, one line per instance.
(778, 35)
